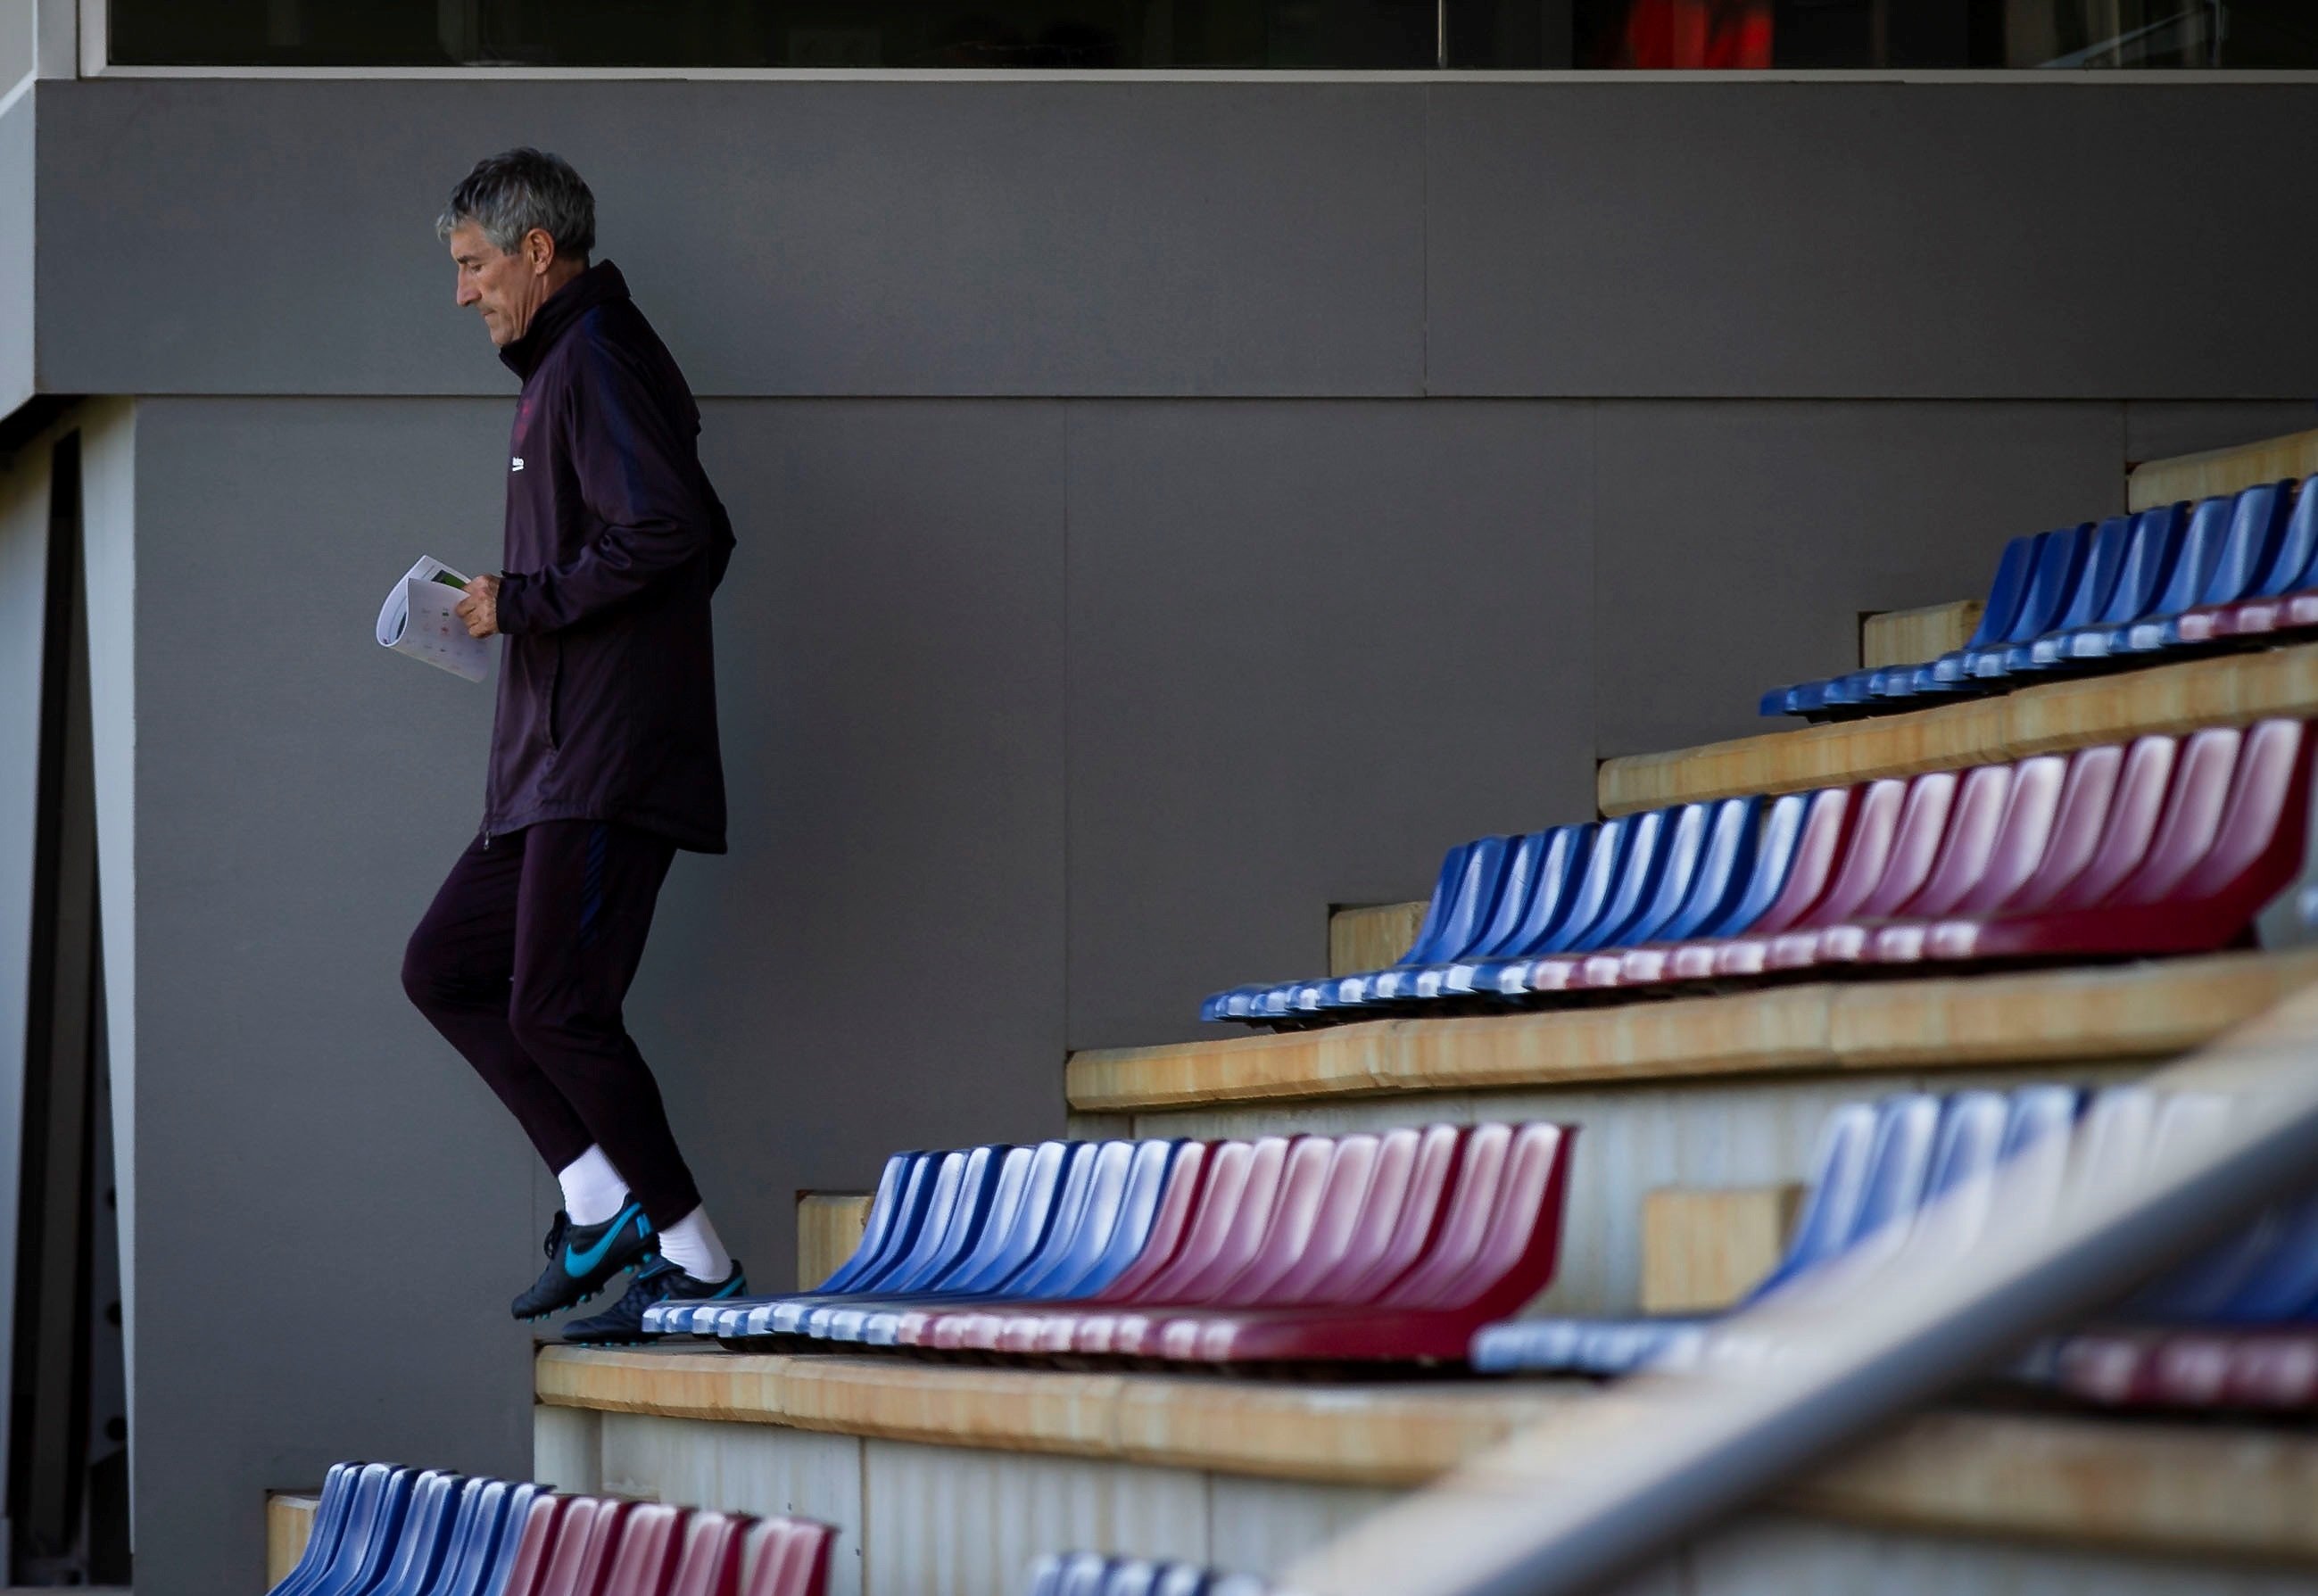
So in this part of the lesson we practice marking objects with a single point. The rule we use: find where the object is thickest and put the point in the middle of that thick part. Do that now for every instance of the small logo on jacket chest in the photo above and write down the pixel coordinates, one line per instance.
(518, 463)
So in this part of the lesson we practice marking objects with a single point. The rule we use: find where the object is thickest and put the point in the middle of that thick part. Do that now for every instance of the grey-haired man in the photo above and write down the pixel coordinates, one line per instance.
(604, 756)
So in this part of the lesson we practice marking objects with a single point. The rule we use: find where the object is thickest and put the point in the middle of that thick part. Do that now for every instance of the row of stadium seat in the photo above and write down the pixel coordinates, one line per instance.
(382, 1530)
(1376, 1248)
(1876, 1167)
(2133, 589)
(2163, 846)
(1091, 1574)
(2236, 1328)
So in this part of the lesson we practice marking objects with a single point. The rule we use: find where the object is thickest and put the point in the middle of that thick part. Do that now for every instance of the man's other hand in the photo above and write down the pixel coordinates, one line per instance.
(481, 608)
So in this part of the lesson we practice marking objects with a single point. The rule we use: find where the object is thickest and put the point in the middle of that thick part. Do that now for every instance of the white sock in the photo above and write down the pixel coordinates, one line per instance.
(693, 1245)
(593, 1191)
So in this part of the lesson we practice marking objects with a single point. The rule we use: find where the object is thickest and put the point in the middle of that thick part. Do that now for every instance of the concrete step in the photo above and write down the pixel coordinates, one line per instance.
(952, 1478)
(2155, 482)
(2224, 690)
(1702, 1092)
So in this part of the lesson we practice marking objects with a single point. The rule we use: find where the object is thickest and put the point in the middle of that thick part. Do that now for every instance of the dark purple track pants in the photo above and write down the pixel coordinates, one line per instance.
(523, 962)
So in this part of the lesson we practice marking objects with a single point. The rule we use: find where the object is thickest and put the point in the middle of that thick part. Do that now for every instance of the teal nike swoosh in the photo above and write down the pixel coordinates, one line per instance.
(576, 1263)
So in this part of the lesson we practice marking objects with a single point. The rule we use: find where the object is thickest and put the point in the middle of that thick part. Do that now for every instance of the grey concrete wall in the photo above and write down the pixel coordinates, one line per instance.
(1165, 510)
(2033, 241)
(18, 163)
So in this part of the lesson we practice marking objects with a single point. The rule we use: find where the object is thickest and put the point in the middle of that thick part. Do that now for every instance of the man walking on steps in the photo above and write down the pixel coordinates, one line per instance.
(604, 756)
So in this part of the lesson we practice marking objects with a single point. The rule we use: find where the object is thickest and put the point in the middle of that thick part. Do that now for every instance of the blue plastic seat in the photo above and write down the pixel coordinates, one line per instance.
(895, 1211)
(423, 1539)
(1734, 839)
(1464, 900)
(509, 1543)
(1659, 896)
(1588, 873)
(340, 1485)
(1091, 1574)
(2257, 525)
(1872, 1170)
(2142, 574)
(878, 1227)
(491, 1512)
(1112, 1235)
(1468, 920)
(1559, 863)
(1646, 855)
(1854, 687)
(365, 1545)
(1241, 1003)
(1104, 1184)
(1949, 672)
(1005, 1216)
(2294, 566)
(2060, 568)
(1008, 1250)
(2202, 543)
(943, 1196)
(1528, 870)
(892, 1235)
(1610, 867)
(960, 1233)
(928, 1253)
(1107, 1232)
(2097, 579)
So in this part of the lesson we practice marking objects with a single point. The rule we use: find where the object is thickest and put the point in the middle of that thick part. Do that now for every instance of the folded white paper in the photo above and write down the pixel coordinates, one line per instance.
(419, 619)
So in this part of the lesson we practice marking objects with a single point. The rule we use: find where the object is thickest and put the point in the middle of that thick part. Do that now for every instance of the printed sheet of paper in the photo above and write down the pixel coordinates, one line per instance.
(418, 619)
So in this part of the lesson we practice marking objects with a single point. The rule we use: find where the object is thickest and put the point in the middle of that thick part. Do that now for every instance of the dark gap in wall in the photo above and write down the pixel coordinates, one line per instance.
(68, 1454)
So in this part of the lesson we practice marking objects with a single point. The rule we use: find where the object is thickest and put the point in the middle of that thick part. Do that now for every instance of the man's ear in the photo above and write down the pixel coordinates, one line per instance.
(539, 249)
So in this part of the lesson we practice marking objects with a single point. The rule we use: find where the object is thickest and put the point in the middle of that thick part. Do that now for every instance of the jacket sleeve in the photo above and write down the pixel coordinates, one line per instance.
(639, 480)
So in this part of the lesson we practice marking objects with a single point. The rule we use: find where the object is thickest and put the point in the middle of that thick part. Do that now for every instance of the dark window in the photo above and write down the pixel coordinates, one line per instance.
(1098, 34)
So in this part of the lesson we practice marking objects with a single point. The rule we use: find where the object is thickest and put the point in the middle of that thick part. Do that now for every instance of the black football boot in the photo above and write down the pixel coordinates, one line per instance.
(658, 1281)
(582, 1259)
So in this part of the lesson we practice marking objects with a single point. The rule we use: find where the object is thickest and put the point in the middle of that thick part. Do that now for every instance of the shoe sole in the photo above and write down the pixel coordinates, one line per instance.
(583, 1300)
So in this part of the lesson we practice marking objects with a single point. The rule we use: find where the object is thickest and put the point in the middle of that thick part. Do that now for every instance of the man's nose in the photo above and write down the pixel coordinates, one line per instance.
(468, 293)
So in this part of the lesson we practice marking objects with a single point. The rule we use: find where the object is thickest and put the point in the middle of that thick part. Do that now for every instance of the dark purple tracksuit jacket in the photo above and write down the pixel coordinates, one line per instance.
(615, 541)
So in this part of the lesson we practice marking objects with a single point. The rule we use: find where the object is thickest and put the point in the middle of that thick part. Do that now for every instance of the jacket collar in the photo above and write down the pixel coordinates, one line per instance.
(599, 284)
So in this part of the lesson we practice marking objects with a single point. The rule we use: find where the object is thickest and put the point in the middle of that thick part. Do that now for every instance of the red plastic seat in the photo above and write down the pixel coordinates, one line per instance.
(1826, 827)
(1306, 1202)
(1366, 1273)
(538, 1547)
(649, 1545)
(2253, 618)
(1875, 889)
(2231, 841)
(585, 1546)
(709, 1562)
(792, 1558)
(1976, 822)
(2097, 841)
(2044, 790)
(1282, 1173)
(1494, 1250)
(1376, 1237)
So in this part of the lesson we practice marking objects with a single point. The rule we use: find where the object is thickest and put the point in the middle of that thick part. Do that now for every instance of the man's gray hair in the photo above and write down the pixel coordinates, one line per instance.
(508, 194)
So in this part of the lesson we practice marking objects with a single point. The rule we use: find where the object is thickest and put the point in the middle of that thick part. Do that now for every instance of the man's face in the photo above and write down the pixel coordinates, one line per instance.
(506, 288)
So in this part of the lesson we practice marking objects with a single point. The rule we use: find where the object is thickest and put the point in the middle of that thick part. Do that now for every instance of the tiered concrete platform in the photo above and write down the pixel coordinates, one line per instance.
(955, 1477)
(951, 1478)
